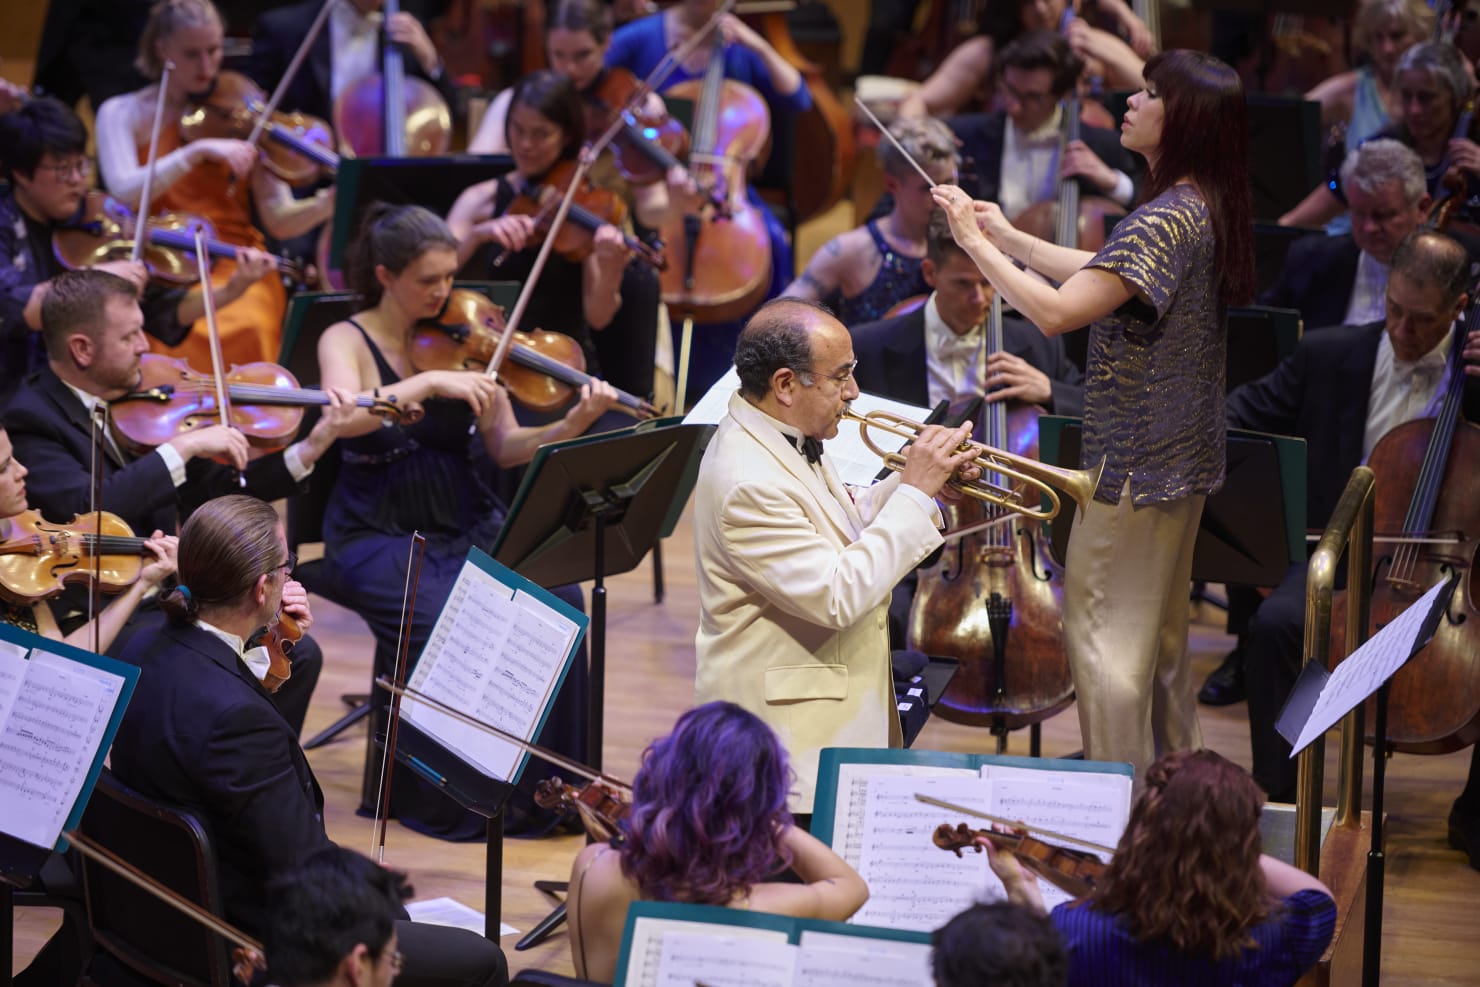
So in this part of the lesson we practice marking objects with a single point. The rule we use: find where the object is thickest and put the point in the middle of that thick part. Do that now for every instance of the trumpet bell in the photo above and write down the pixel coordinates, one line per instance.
(1024, 486)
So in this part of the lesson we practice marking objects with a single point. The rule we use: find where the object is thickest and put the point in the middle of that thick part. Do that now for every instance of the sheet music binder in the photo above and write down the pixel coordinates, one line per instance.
(20, 860)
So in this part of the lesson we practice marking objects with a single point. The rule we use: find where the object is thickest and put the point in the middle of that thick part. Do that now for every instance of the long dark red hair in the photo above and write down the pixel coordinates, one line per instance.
(1205, 137)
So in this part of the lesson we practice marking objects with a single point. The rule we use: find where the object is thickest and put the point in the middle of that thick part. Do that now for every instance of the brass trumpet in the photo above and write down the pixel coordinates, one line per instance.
(1046, 480)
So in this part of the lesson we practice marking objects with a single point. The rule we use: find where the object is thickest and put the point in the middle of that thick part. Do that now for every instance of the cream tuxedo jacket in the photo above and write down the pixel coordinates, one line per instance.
(794, 584)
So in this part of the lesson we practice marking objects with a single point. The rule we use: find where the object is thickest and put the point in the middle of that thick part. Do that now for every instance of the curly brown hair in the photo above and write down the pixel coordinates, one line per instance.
(1187, 870)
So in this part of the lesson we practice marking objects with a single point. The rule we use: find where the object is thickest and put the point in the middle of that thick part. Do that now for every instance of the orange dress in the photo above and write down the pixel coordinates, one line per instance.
(252, 326)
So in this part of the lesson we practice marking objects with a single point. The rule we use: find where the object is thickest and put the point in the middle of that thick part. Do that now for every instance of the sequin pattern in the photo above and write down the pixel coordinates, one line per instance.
(1153, 388)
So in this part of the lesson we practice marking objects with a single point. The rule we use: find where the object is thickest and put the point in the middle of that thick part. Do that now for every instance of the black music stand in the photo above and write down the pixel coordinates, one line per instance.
(434, 182)
(1374, 675)
(1251, 530)
(590, 508)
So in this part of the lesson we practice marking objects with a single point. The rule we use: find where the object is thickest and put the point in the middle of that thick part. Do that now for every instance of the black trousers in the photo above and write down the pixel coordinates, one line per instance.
(1272, 658)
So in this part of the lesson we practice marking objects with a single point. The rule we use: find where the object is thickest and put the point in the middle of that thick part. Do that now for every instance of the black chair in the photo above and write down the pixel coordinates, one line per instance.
(133, 926)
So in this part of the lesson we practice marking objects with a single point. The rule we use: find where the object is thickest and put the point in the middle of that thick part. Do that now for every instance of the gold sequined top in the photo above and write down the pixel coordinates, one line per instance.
(1153, 384)
(23, 617)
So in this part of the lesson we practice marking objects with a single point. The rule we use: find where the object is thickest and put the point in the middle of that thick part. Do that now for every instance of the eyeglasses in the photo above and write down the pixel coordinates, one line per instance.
(841, 379)
(80, 168)
(396, 960)
(289, 565)
(1027, 99)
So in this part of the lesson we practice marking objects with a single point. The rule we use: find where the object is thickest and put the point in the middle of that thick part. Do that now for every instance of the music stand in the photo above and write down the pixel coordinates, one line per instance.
(590, 508)
(1252, 529)
(433, 182)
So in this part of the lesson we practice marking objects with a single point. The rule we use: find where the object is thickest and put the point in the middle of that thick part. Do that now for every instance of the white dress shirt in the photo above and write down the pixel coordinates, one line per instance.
(1402, 391)
(1368, 302)
(257, 659)
(955, 366)
(354, 39)
(1030, 164)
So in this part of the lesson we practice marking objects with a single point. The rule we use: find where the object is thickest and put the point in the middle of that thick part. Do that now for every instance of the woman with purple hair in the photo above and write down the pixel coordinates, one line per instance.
(709, 825)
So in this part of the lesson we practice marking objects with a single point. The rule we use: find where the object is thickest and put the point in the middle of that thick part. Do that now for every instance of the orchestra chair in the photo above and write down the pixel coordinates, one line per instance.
(131, 925)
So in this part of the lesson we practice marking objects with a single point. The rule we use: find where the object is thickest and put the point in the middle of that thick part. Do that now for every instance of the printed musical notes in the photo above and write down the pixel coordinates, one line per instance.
(56, 713)
(685, 959)
(496, 654)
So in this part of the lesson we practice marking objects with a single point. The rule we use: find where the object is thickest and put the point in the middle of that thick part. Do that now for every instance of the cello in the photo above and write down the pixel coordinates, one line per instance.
(995, 600)
(1070, 219)
(1425, 494)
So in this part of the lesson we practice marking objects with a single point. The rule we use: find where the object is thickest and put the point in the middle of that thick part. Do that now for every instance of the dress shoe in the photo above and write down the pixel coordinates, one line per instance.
(1225, 686)
(1464, 835)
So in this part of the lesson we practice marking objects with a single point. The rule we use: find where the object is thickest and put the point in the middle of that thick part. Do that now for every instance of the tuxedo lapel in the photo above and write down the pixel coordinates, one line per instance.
(72, 410)
(826, 487)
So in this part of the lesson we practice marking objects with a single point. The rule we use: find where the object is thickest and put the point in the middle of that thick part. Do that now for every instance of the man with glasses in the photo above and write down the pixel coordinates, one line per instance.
(794, 569)
(201, 732)
(42, 145)
(1017, 149)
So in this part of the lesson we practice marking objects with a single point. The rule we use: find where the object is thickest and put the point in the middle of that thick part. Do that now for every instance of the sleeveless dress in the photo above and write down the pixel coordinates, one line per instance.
(899, 277)
(430, 477)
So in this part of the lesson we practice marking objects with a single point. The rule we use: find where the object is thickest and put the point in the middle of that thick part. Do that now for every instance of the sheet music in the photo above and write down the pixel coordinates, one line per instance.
(1364, 671)
(686, 959)
(830, 960)
(650, 934)
(55, 724)
(495, 656)
(856, 465)
(1088, 805)
(13, 666)
(913, 884)
(851, 806)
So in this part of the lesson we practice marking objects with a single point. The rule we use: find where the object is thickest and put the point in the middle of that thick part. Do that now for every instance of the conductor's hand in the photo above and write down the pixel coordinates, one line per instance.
(934, 457)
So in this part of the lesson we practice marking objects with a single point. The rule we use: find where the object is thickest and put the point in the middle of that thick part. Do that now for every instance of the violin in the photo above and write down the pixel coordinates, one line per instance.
(591, 209)
(104, 230)
(300, 148)
(648, 145)
(543, 372)
(1076, 872)
(266, 404)
(600, 806)
(278, 638)
(39, 559)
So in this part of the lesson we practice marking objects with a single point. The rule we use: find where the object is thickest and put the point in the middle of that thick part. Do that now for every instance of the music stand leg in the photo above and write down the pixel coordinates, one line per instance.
(1035, 740)
(1376, 856)
(658, 571)
(493, 885)
(7, 932)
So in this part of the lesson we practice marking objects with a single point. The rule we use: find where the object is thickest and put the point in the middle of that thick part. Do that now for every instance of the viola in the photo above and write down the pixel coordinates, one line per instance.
(544, 370)
(39, 559)
(648, 145)
(266, 404)
(591, 209)
(1076, 872)
(600, 806)
(278, 638)
(299, 148)
(104, 230)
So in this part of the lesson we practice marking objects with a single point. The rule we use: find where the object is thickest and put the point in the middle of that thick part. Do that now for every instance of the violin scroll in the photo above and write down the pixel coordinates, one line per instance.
(956, 838)
(600, 806)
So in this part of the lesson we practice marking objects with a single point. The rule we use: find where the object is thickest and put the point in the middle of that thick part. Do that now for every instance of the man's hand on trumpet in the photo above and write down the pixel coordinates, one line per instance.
(936, 457)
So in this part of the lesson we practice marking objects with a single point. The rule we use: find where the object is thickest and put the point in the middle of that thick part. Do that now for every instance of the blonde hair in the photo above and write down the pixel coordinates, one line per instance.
(1415, 15)
(165, 18)
(928, 141)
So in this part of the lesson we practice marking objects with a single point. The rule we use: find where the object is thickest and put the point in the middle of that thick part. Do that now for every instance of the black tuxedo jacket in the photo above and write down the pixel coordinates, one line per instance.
(52, 436)
(1317, 279)
(276, 37)
(982, 136)
(1321, 393)
(891, 360)
(201, 732)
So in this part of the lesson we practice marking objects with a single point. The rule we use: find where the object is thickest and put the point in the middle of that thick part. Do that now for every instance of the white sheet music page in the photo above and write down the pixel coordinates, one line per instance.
(495, 655)
(854, 779)
(1364, 671)
(725, 961)
(649, 935)
(913, 884)
(13, 666)
(830, 960)
(1087, 805)
(56, 721)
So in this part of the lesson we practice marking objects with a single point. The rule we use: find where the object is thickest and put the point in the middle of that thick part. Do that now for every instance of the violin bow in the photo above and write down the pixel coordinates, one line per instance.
(416, 554)
(1015, 824)
(101, 855)
(218, 362)
(99, 419)
(290, 72)
(895, 141)
(583, 165)
(141, 224)
(558, 760)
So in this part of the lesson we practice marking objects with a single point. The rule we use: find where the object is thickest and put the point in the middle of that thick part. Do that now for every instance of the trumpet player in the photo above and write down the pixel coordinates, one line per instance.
(795, 570)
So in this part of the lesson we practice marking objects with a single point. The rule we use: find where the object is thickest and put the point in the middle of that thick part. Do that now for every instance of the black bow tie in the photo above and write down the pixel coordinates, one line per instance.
(811, 448)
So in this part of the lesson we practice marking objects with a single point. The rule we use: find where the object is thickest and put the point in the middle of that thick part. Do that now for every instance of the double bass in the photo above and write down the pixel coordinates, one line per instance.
(1425, 494)
(995, 599)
